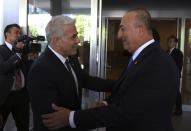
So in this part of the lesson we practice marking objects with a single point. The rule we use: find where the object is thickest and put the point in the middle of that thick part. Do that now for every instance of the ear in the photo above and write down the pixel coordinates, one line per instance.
(6, 34)
(55, 39)
(141, 29)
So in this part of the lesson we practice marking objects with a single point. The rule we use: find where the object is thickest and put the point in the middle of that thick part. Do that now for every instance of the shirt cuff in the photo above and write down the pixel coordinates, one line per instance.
(71, 119)
(105, 103)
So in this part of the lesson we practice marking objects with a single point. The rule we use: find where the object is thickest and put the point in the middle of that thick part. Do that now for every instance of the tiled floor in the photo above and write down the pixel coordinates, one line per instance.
(182, 122)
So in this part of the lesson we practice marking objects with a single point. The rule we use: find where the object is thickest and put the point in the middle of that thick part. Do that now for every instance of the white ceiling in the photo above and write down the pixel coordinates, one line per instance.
(120, 4)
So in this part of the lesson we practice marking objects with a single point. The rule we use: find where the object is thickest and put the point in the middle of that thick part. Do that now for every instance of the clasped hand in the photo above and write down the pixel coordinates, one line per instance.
(58, 119)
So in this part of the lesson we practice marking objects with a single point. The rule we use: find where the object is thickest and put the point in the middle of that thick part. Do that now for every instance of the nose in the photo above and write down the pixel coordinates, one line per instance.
(119, 35)
(18, 35)
(77, 40)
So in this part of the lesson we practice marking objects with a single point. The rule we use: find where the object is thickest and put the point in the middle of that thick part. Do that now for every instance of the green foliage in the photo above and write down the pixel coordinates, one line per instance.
(82, 22)
(33, 31)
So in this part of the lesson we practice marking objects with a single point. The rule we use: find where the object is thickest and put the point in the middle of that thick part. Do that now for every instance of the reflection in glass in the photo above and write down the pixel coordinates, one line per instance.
(187, 65)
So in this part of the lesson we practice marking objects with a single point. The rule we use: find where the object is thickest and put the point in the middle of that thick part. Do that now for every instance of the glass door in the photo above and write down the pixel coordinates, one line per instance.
(186, 83)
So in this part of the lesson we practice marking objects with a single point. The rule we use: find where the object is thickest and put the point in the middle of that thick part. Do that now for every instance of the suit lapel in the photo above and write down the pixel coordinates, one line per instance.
(61, 66)
(127, 78)
(8, 52)
(75, 66)
(127, 72)
(173, 51)
(55, 60)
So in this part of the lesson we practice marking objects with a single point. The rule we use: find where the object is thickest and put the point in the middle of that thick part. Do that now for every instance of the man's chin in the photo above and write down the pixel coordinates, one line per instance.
(74, 52)
(125, 47)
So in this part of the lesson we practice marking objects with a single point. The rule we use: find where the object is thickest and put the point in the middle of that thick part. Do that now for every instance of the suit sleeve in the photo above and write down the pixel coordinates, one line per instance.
(148, 98)
(7, 68)
(41, 89)
(9, 65)
(42, 93)
(97, 84)
(93, 83)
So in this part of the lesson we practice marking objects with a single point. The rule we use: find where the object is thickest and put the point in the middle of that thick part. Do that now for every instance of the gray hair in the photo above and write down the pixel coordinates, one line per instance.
(55, 26)
(142, 16)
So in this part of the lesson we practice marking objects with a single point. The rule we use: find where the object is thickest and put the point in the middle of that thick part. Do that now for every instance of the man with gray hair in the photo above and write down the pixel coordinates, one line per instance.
(56, 76)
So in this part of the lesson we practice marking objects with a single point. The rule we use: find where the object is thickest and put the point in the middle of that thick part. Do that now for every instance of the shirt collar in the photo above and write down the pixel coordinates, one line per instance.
(60, 57)
(170, 51)
(9, 45)
(138, 51)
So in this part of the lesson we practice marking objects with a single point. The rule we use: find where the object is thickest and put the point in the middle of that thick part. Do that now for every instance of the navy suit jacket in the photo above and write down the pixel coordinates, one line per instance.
(50, 82)
(141, 99)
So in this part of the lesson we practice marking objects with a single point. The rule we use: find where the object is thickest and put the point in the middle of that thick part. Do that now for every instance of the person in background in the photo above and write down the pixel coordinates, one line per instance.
(178, 59)
(142, 98)
(156, 35)
(13, 74)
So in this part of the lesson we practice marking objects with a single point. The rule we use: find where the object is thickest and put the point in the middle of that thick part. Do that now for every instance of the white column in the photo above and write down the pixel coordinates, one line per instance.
(1, 22)
(22, 17)
(16, 12)
(9, 13)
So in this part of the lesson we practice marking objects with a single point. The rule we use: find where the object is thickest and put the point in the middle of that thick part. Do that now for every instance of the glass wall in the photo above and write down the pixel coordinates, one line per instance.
(186, 83)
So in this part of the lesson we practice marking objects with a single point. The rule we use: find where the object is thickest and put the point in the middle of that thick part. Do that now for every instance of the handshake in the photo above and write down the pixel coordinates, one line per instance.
(60, 118)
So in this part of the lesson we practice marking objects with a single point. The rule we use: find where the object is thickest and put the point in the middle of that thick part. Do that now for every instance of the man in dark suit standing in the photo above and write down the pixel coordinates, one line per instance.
(56, 76)
(143, 96)
(178, 59)
(13, 70)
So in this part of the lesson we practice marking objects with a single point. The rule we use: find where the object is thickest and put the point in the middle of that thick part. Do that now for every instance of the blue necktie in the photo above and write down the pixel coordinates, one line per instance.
(130, 61)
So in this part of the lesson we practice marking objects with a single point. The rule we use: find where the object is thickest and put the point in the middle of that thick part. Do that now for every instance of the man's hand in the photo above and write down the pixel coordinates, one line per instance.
(20, 45)
(97, 104)
(1, 121)
(58, 119)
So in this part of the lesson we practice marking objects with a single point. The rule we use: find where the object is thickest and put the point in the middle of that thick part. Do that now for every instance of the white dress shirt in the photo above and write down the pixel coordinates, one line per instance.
(138, 51)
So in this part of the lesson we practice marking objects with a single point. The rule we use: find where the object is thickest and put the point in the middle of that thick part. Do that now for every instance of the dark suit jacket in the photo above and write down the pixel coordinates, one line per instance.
(9, 61)
(50, 82)
(178, 58)
(141, 99)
